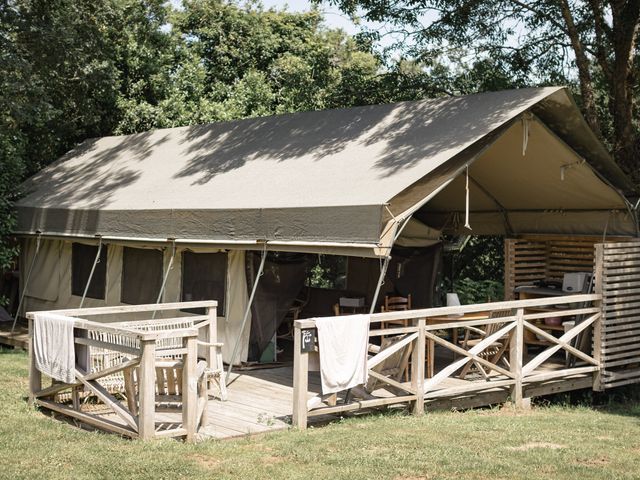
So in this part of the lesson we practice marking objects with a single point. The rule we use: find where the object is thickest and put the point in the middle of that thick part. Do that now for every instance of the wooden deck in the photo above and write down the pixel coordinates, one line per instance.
(19, 338)
(261, 401)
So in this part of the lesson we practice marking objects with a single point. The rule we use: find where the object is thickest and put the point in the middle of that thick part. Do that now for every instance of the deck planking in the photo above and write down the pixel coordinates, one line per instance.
(261, 400)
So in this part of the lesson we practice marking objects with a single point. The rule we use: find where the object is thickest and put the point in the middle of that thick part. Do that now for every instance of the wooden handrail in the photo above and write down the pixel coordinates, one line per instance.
(513, 377)
(149, 307)
(462, 309)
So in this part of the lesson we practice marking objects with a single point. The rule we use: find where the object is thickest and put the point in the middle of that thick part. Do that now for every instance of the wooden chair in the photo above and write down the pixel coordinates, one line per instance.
(169, 387)
(165, 346)
(395, 366)
(494, 352)
(397, 304)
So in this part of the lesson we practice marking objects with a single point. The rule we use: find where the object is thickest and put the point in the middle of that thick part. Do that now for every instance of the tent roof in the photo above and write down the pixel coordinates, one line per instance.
(325, 176)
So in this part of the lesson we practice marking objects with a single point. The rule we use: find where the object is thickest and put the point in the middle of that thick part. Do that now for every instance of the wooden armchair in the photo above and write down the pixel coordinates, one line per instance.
(169, 388)
(398, 304)
(494, 352)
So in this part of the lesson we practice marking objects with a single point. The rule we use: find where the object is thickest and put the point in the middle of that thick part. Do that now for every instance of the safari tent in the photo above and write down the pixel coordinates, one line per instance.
(188, 213)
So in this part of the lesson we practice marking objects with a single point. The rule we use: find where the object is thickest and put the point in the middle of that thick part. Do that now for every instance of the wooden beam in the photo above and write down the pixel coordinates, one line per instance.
(88, 418)
(53, 389)
(516, 355)
(417, 367)
(108, 399)
(387, 352)
(151, 307)
(559, 343)
(147, 391)
(190, 387)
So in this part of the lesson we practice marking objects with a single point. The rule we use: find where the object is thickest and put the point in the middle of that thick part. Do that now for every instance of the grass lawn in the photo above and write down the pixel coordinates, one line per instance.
(551, 442)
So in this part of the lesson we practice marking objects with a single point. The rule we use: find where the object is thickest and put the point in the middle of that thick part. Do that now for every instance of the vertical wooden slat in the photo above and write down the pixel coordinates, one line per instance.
(212, 337)
(130, 391)
(597, 326)
(618, 278)
(417, 367)
(147, 390)
(190, 387)
(300, 380)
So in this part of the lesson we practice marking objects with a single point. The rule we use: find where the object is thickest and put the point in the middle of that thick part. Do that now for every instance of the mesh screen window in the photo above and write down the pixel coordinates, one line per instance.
(204, 277)
(141, 275)
(82, 258)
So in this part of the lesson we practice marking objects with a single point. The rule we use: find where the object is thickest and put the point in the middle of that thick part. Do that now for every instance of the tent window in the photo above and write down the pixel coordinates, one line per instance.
(82, 258)
(328, 271)
(204, 277)
(141, 275)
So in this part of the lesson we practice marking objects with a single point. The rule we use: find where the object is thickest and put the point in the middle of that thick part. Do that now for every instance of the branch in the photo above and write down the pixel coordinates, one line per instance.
(584, 74)
(602, 38)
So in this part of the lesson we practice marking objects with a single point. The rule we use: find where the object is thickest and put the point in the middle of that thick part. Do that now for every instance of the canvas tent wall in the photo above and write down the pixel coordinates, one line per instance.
(51, 287)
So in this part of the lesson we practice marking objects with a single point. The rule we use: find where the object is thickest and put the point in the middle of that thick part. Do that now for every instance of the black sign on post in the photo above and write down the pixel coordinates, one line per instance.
(308, 340)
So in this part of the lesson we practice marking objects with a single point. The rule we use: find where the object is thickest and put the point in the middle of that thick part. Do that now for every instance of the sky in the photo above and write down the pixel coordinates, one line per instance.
(334, 18)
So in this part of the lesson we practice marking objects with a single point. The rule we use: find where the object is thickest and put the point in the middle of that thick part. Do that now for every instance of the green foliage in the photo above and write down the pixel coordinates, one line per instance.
(478, 291)
(496, 44)
(328, 271)
(74, 69)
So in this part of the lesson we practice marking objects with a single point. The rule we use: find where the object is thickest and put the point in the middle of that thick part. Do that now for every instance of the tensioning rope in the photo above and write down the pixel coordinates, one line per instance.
(93, 268)
(26, 281)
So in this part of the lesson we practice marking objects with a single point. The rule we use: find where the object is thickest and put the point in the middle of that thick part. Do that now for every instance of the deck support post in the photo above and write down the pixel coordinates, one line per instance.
(35, 377)
(417, 367)
(597, 325)
(190, 387)
(211, 334)
(300, 380)
(147, 391)
(516, 355)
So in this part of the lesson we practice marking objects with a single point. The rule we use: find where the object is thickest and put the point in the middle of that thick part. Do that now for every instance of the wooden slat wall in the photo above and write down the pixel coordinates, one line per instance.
(618, 280)
(536, 257)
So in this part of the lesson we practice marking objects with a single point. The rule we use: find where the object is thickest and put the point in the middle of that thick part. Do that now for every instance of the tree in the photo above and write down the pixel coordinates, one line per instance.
(540, 42)
(235, 62)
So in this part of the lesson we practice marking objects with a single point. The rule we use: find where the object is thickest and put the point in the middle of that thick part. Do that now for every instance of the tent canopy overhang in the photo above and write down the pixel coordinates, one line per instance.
(341, 181)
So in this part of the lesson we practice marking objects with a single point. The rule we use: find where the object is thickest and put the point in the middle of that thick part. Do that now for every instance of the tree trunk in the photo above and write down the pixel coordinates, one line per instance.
(584, 70)
(625, 20)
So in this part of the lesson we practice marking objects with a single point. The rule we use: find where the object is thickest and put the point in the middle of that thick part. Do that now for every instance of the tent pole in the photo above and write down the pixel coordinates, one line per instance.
(247, 310)
(383, 272)
(26, 281)
(93, 269)
(385, 264)
(166, 275)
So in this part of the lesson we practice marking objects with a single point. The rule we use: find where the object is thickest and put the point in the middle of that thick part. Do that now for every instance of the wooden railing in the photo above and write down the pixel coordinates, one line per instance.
(418, 340)
(137, 350)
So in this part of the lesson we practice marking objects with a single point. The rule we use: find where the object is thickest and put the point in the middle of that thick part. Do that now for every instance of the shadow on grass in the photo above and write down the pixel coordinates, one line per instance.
(617, 401)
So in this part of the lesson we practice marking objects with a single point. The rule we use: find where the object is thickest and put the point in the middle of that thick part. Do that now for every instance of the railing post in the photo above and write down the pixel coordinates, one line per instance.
(35, 377)
(212, 337)
(147, 391)
(300, 379)
(597, 325)
(417, 367)
(516, 358)
(190, 387)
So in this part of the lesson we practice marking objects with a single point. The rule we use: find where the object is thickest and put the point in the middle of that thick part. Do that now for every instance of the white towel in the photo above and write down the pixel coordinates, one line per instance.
(342, 342)
(53, 346)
